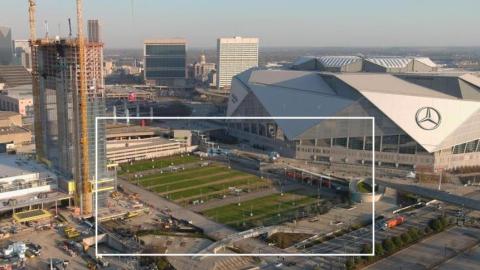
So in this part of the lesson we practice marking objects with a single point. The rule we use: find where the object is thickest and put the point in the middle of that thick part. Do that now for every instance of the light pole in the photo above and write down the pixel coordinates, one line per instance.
(440, 180)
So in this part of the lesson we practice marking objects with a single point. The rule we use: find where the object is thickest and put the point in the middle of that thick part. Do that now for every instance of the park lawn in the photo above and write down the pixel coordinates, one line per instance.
(196, 181)
(198, 191)
(264, 207)
(147, 164)
(254, 184)
(172, 177)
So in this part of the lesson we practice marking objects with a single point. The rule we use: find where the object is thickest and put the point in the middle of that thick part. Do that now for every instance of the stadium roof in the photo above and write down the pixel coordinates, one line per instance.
(298, 93)
(399, 62)
(390, 62)
(338, 61)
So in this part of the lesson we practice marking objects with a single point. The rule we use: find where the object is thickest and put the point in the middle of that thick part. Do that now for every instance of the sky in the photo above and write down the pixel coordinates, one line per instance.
(278, 23)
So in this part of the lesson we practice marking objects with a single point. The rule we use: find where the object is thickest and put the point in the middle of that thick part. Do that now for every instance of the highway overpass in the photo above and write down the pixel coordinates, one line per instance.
(430, 193)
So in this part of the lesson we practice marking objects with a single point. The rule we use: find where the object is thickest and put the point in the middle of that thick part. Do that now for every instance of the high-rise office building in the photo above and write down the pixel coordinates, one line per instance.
(22, 54)
(235, 55)
(59, 112)
(6, 52)
(165, 62)
(94, 31)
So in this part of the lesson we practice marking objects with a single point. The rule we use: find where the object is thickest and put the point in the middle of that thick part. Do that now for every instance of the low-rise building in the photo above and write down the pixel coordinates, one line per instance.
(11, 130)
(21, 176)
(130, 143)
(18, 99)
(13, 76)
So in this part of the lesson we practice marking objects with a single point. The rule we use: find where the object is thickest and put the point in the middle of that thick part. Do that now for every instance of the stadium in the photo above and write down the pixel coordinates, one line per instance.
(424, 121)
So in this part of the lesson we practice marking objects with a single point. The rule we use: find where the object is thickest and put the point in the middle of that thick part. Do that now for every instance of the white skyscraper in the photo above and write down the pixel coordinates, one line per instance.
(235, 55)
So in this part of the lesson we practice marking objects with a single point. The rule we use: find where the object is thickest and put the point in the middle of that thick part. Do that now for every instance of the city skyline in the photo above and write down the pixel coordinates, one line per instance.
(324, 24)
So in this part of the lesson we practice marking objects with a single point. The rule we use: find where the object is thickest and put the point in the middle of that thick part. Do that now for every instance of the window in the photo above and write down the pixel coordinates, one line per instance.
(253, 128)
(355, 143)
(407, 145)
(471, 146)
(342, 142)
(390, 144)
(165, 49)
(459, 149)
(368, 143)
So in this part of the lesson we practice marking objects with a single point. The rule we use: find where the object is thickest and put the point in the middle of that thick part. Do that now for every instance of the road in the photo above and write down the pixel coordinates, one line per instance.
(466, 260)
(432, 251)
(473, 204)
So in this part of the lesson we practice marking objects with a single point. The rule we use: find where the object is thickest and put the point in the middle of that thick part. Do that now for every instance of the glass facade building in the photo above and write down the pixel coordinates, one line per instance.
(165, 62)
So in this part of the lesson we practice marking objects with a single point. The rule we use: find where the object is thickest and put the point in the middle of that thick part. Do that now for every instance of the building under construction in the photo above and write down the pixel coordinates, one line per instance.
(59, 112)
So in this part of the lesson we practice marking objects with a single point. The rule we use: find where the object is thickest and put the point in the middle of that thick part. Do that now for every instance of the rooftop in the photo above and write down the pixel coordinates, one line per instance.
(398, 96)
(113, 130)
(338, 61)
(20, 92)
(12, 130)
(5, 114)
(136, 144)
(15, 165)
(14, 76)
(166, 41)
(238, 40)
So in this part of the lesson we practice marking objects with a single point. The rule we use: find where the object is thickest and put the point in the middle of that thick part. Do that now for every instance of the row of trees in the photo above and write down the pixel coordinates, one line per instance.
(393, 244)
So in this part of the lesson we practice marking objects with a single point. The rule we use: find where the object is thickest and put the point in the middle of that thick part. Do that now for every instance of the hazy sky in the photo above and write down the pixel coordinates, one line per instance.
(314, 23)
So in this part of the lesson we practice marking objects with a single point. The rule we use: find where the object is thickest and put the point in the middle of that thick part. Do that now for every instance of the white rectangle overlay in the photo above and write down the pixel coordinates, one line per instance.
(97, 254)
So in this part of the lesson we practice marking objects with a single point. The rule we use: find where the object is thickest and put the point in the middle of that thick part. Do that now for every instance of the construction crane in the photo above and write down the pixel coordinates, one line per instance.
(85, 195)
(35, 81)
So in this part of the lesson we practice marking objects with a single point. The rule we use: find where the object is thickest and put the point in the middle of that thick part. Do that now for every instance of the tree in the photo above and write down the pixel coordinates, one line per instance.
(397, 240)
(379, 251)
(406, 238)
(388, 245)
(443, 221)
(367, 249)
(436, 225)
(413, 233)
(350, 264)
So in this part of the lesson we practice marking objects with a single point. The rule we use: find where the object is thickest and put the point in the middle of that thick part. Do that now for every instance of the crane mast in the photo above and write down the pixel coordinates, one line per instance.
(86, 192)
(35, 81)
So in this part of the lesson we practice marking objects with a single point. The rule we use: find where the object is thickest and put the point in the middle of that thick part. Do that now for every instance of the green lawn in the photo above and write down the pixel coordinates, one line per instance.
(147, 164)
(205, 182)
(172, 177)
(205, 190)
(198, 180)
(262, 208)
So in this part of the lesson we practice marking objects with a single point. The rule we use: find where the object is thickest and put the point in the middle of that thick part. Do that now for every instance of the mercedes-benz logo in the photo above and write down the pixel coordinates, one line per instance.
(428, 118)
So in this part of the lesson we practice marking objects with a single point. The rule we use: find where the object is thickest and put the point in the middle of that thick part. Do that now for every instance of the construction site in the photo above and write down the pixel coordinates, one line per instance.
(57, 197)
(68, 92)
